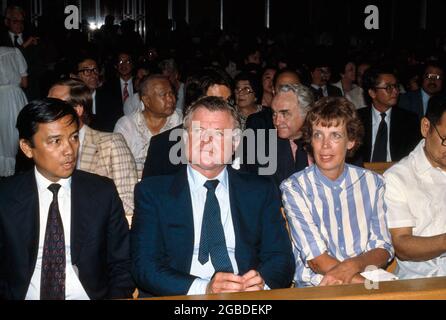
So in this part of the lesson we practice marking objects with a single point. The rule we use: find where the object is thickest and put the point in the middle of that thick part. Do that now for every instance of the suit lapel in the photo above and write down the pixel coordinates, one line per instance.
(82, 203)
(368, 123)
(88, 156)
(394, 132)
(182, 215)
(235, 183)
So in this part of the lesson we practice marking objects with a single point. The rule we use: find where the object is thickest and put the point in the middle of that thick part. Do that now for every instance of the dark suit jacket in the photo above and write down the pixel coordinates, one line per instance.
(162, 235)
(331, 90)
(404, 133)
(99, 236)
(157, 161)
(413, 102)
(109, 107)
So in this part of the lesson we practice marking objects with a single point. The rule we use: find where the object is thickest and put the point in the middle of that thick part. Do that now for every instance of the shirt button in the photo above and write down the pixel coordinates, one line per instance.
(339, 228)
(337, 209)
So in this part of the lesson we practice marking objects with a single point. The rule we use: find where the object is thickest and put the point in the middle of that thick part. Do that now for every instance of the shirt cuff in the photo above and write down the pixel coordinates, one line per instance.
(198, 287)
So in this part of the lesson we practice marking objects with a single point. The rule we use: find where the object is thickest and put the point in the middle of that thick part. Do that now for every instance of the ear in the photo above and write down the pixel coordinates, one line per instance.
(79, 110)
(425, 127)
(145, 100)
(26, 148)
(350, 144)
(372, 93)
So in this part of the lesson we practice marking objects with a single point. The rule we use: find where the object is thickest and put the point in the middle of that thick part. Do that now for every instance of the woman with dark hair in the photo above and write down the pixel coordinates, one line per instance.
(13, 77)
(248, 95)
(335, 210)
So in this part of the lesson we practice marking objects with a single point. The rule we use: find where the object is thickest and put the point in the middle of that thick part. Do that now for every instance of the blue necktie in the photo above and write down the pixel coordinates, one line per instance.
(52, 282)
(212, 241)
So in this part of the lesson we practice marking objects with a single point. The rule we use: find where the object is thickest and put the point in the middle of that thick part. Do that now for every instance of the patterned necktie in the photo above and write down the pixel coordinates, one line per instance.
(16, 41)
(52, 283)
(380, 149)
(212, 241)
(125, 92)
(301, 158)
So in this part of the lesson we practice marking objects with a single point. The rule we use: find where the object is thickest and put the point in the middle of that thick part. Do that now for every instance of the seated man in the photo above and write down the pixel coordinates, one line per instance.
(416, 200)
(209, 228)
(63, 234)
(335, 210)
(102, 153)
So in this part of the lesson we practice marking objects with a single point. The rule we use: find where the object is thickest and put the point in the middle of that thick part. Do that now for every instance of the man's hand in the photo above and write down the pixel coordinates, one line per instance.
(30, 41)
(253, 281)
(343, 273)
(223, 282)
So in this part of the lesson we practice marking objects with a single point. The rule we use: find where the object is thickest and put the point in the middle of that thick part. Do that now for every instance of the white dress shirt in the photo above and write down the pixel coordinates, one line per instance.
(19, 39)
(73, 287)
(376, 120)
(425, 98)
(416, 197)
(93, 107)
(198, 196)
(324, 89)
(129, 87)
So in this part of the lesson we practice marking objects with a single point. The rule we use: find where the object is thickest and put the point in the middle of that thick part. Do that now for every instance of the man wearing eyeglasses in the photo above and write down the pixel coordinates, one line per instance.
(431, 85)
(320, 76)
(391, 133)
(416, 200)
(107, 102)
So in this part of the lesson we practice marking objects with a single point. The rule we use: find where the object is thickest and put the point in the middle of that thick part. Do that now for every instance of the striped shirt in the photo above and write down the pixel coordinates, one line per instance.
(344, 218)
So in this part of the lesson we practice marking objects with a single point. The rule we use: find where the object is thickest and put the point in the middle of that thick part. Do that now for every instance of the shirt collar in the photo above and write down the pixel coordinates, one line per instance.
(197, 180)
(377, 115)
(328, 182)
(43, 183)
(13, 35)
(129, 81)
(421, 163)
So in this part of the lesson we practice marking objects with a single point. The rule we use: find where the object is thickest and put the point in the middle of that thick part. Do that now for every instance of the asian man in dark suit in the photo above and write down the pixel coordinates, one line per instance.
(63, 232)
(390, 133)
(209, 228)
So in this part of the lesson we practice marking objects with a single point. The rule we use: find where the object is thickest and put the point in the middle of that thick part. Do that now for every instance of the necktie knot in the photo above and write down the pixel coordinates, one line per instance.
(383, 116)
(211, 185)
(54, 188)
(16, 40)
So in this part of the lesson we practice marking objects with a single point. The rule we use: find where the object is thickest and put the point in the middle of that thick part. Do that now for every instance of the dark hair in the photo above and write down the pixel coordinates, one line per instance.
(332, 111)
(79, 60)
(370, 80)
(215, 76)
(285, 70)
(435, 109)
(254, 82)
(80, 94)
(42, 111)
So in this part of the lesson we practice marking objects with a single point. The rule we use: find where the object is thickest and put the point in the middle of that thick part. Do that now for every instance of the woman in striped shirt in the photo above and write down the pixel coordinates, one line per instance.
(335, 210)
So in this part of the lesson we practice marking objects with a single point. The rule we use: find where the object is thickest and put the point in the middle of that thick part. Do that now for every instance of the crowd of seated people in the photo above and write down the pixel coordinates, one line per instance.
(195, 174)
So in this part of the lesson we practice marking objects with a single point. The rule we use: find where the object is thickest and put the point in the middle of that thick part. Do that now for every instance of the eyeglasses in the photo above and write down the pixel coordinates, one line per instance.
(244, 91)
(443, 140)
(87, 72)
(432, 76)
(390, 87)
(125, 61)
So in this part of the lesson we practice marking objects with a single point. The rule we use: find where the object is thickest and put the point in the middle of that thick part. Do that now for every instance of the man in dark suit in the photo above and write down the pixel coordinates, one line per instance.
(210, 83)
(320, 76)
(107, 100)
(63, 233)
(208, 228)
(431, 85)
(17, 36)
(289, 107)
(390, 133)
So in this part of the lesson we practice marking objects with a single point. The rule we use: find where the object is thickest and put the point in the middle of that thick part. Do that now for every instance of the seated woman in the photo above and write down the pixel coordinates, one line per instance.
(248, 94)
(335, 210)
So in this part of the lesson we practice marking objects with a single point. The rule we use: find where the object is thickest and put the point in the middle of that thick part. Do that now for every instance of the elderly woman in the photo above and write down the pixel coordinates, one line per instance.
(335, 210)
(248, 95)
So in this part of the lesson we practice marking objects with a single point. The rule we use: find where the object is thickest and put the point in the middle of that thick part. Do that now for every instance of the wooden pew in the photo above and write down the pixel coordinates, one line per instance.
(416, 289)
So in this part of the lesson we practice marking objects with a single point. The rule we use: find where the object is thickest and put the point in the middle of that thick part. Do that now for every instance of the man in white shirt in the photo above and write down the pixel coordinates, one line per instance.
(63, 232)
(209, 228)
(124, 67)
(416, 200)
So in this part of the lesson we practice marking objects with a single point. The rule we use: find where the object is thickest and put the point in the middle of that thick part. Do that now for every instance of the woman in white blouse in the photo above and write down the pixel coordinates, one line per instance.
(13, 76)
